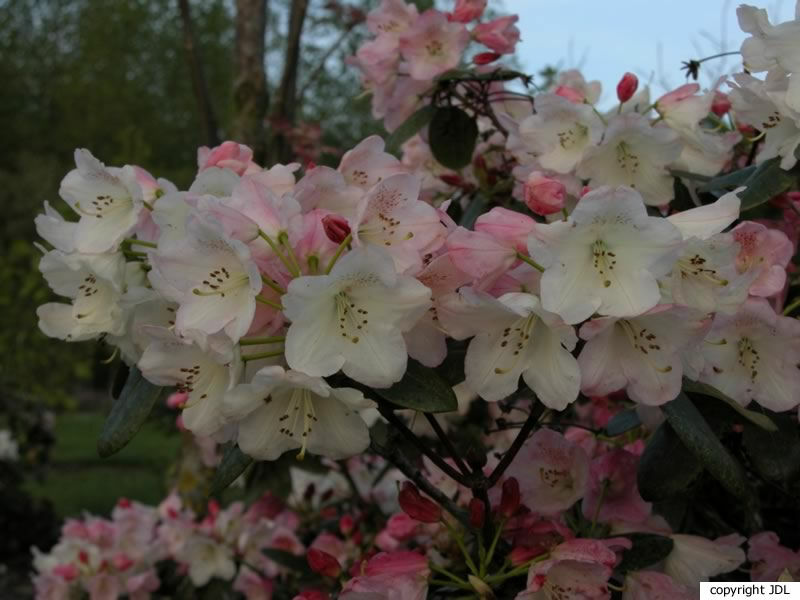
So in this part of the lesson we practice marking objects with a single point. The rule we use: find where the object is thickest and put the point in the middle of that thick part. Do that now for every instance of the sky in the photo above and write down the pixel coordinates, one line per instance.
(647, 37)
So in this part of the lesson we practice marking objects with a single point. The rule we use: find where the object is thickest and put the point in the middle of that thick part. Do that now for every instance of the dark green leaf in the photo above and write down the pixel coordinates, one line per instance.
(452, 135)
(422, 389)
(623, 422)
(667, 468)
(233, 464)
(120, 377)
(728, 181)
(475, 209)
(699, 438)
(648, 549)
(286, 559)
(775, 455)
(760, 419)
(766, 182)
(409, 127)
(128, 413)
(452, 368)
(689, 175)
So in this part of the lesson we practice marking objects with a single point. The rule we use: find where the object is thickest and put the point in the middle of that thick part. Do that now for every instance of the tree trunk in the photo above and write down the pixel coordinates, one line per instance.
(285, 110)
(250, 93)
(198, 76)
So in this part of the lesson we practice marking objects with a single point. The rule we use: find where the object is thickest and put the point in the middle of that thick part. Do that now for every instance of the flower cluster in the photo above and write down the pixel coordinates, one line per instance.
(410, 50)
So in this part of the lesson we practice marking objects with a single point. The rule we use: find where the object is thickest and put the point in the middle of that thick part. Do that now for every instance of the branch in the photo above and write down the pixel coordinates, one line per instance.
(448, 445)
(398, 424)
(533, 419)
(392, 455)
(198, 76)
(321, 65)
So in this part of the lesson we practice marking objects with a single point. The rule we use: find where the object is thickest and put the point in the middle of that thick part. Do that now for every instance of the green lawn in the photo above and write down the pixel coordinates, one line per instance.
(79, 480)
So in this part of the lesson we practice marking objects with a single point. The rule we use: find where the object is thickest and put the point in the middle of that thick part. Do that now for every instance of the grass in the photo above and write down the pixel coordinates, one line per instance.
(79, 480)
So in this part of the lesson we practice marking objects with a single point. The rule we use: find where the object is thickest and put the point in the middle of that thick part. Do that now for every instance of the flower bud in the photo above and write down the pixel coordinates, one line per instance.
(346, 524)
(476, 513)
(450, 179)
(544, 195)
(467, 10)
(323, 563)
(720, 105)
(484, 58)
(416, 506)
(509, 501)
(336, 228)
(626, 87)
(483, 590)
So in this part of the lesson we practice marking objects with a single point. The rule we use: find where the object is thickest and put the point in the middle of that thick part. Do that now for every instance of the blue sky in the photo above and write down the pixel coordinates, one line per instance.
(647, 37)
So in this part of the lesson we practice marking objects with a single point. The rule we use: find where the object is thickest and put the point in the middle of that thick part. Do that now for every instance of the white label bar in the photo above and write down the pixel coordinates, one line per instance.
(763, 590)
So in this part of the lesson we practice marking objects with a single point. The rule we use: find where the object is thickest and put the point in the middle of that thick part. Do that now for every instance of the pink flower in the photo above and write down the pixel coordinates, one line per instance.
(569, 579)
(670, 99)
(506, 226)
(392, 17)
(569, 93)
(467, 10)
(228, 155)
(403, 574)
(68, 572)
(433, 45)
(626, 87)
(651, 585)
(766, 251)
(500, 35)
(552, 472)
(769, 558)
(141, 585)
(544, 195)
(612, 493)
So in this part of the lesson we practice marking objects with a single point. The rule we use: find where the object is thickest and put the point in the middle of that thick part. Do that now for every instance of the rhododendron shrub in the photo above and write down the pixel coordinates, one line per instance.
(538, 349)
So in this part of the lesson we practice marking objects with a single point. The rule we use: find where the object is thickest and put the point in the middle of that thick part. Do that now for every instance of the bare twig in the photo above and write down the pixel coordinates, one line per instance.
(324, 58)
(447, 444)
(533, 419)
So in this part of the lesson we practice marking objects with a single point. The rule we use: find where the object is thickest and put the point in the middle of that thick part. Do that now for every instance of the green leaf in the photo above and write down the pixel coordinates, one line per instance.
(452, 135)
(766, 182)
(775, 455)
(128, 413)
(409, 127)
(120, 377)
(699, 438)
(286, 559)
(623, 422)
(234, 462)
(667, 468)
(729, 180)
(647, 550)
(760, 419)
(421, 388)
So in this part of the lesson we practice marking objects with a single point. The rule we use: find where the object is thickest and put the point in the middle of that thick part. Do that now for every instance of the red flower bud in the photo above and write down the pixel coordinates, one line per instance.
(476, 513)
(626, 87)
(323, 563)
(509, 501)
(346, 524)
(454, 180)
(484, 58)
(336, 228)
(720, 105)
(124, 503)
(416, 506)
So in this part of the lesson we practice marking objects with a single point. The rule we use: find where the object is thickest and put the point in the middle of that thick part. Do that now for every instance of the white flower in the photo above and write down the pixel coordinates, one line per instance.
(94, 282)
(754, 355)
(354, 318)
(694, 559)
(208, 558)
(604, 258)
(559, 133)
(55, 230)
(281, 410)
(9, 450)
(108, 199)
(643, 354)
(211, 276)
(392, 215)
(635, 154)
(204, 376)
(513, 336)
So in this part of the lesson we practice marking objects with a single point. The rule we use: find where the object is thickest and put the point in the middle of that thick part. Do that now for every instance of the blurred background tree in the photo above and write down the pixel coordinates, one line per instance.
(116, 77)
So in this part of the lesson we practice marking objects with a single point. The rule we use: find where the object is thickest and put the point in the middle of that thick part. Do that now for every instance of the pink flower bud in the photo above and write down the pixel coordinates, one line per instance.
(476, 513)
(627, 86)
(544, 195)
(509, 501)
(122, 562)
(467, 10)
(177, 399)
(336, 228)
(569, 93)
(124, 503)
(500, 35)
(67, 572)
(484, 58)
(720, 105)
(416, 506)
(323, 563)
(454, 180)
(346, 524)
